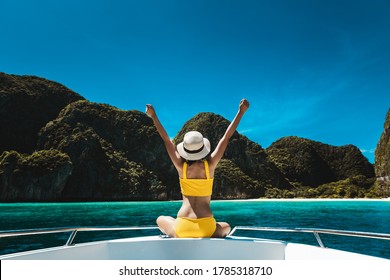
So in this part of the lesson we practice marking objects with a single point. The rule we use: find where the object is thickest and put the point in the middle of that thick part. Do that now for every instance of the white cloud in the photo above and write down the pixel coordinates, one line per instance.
(367, 151)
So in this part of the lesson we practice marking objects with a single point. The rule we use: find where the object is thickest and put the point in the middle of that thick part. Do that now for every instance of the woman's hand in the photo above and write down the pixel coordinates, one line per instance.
(244, 105)
(171, 148)
(150, 110)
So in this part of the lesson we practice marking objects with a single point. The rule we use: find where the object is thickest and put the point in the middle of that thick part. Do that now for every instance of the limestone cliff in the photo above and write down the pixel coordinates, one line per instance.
(57, 146)
(382, 159)
(40, 176)
(27, 103)
(313, 163)
(114, 153)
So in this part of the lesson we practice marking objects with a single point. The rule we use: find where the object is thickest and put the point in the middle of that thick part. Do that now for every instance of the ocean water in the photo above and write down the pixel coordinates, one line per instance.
(353, 215)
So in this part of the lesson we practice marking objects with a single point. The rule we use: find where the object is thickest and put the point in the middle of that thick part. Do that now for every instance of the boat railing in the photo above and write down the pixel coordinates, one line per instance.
(73, 232)
(316, 232)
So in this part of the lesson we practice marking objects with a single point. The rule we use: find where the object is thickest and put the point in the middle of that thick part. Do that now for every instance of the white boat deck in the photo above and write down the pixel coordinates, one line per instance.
(160, 248)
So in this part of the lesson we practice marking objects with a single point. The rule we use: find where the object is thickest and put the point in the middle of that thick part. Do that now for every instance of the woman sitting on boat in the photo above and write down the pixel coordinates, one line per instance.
(195, 165)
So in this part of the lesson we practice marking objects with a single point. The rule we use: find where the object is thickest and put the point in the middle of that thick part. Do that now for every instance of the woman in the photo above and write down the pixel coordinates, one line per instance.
(195, 166)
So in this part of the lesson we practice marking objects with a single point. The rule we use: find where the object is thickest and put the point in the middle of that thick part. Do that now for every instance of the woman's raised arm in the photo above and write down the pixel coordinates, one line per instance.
(223, 143)
(170, 147)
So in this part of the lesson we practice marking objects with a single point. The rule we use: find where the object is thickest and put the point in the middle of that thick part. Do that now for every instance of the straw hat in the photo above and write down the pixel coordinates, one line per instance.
(194, 146)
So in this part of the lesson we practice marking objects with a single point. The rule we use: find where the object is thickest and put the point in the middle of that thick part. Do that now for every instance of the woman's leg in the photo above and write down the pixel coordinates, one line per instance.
(166, 223)
(222, 230)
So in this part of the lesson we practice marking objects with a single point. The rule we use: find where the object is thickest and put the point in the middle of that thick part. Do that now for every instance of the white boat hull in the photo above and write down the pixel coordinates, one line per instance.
(159, 248)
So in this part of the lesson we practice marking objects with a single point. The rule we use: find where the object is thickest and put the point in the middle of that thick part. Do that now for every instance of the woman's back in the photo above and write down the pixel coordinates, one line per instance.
(196, 170)
(195, 205)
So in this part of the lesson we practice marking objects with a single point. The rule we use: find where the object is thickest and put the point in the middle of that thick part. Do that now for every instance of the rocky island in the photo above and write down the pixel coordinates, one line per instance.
(58, 146)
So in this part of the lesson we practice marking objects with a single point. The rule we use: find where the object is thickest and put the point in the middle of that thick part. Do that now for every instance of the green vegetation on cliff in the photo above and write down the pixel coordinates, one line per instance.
(112, 158)
(312, 163)
(382, 160)
(40, 176)
(230, 182)
(27, 103)
(382, 152)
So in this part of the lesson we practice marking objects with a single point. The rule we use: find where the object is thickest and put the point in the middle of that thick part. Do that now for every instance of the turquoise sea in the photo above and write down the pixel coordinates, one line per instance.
(353, 215)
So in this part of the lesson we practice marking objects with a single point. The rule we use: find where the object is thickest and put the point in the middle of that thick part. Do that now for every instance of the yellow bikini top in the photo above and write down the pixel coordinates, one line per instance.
(196, 187)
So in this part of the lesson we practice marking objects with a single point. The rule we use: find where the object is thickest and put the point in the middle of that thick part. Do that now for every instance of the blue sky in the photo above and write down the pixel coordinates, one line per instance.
(314, 69)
